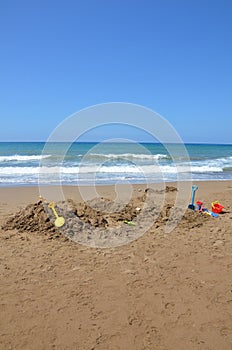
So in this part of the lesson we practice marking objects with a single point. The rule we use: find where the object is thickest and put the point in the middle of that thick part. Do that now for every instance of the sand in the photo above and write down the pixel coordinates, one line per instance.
(161, 291)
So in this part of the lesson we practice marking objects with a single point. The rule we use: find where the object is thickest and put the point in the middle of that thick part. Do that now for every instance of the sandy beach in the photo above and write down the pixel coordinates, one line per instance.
(161, 291)
(115, 145)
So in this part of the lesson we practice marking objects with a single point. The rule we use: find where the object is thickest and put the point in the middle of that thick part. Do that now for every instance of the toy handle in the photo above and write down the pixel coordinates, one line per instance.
(52, 206)
(213, 203)
(194, 188)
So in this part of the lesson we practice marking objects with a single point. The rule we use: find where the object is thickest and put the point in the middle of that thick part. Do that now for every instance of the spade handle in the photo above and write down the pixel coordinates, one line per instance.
(52, 206)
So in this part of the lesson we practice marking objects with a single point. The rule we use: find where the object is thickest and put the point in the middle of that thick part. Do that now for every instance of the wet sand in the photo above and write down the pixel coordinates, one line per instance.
(162, 291)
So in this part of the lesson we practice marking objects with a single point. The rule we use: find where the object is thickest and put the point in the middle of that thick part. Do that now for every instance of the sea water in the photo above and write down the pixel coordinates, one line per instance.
(29, 163)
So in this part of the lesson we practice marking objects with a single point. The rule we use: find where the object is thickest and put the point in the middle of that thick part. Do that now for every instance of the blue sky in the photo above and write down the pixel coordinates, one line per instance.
(173, 56)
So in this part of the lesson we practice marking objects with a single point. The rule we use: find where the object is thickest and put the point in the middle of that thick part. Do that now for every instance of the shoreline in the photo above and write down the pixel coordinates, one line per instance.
(109, 184)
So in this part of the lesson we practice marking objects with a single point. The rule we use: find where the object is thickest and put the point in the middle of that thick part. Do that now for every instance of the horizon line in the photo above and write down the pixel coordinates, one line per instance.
(102, 141)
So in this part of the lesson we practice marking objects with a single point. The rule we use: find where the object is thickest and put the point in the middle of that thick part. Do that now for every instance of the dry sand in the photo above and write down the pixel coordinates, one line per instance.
(162, 291)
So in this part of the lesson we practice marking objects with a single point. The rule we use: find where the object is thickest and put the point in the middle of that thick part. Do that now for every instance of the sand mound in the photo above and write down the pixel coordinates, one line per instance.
(100, 221)
(33, 218)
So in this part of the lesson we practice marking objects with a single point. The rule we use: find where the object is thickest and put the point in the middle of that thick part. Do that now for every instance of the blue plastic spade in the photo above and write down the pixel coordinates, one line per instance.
(192, 205)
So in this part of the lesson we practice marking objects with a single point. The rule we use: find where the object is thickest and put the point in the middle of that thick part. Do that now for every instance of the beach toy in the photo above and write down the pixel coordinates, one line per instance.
(208, 212)
(215, 215)
(59, 219)
(199, 204)
(131, 223)
(205, 210)
(192, 205)
(217, 207)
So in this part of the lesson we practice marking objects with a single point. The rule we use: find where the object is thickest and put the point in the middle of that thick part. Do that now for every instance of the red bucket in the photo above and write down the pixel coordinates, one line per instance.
(217, 207)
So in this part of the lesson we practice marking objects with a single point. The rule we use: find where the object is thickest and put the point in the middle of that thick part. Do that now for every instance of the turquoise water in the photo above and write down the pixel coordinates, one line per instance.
(25, 163)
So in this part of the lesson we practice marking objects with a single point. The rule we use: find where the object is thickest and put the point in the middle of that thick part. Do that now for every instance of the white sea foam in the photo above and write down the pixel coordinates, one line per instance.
(128, 156)
(21, 158)
(105, 172)
(126, 169)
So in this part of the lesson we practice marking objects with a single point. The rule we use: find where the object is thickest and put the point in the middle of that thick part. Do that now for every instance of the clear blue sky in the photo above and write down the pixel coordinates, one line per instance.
(173, 56)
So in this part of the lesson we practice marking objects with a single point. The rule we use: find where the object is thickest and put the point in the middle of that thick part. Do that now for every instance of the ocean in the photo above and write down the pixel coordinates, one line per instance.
(28, 163)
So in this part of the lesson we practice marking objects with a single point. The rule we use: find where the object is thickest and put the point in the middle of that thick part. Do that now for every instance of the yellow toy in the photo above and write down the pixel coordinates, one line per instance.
(60, 221)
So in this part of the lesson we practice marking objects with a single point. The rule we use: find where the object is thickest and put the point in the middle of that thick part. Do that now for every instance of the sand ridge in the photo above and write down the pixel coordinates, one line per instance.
(100, 222)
